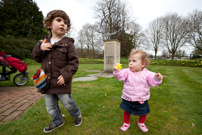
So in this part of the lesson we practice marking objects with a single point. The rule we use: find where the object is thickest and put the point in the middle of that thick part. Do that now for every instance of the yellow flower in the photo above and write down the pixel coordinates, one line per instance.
(118, 66)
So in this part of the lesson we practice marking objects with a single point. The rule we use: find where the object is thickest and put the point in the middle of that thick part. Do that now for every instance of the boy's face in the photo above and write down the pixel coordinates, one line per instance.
(135, 62)
(58, 26)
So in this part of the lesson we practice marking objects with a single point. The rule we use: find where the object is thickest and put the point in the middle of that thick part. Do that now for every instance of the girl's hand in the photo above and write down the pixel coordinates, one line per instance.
(158, 75)
(115, 67)
(61, 80)
(46, 46)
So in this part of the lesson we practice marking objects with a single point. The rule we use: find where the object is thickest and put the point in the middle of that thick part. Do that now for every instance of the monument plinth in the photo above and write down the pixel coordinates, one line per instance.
(111, 54)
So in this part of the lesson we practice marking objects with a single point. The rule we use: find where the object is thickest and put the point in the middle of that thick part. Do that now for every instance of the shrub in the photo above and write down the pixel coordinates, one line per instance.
(19, 48)
(189, 63)
(90, 61)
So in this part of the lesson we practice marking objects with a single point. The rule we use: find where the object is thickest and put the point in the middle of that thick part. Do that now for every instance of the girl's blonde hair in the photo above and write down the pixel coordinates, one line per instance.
(145, 56)
(52, 15)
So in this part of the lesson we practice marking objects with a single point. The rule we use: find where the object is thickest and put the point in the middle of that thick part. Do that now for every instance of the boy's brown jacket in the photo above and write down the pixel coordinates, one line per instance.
(61, 60)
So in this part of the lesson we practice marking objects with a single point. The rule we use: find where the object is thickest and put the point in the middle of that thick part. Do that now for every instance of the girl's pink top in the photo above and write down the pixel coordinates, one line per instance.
(137, 86)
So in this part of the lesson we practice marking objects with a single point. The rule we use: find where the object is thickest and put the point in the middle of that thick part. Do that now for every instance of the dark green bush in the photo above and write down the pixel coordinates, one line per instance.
(20, 48)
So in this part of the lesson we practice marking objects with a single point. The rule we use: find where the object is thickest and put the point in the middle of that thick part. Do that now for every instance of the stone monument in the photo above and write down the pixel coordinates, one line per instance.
(111, 31)
(111, 54)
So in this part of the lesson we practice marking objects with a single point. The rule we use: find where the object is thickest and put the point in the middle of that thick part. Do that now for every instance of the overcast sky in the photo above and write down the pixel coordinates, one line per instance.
(144, 11)
(82, 12)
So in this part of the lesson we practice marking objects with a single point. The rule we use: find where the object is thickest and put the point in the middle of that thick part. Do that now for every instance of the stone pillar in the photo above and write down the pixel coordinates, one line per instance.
(111, 54)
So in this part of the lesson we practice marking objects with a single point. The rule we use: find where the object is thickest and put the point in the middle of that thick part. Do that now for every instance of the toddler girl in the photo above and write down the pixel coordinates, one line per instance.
(136, 90)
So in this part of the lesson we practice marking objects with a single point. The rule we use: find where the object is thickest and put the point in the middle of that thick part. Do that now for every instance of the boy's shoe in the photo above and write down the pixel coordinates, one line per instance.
(125, 127)
(142, 127)
(52, 127)
(78, 120)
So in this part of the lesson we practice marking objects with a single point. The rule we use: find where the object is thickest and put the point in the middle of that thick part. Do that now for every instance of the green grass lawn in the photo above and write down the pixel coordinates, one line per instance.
(175, 106)
(32, 68)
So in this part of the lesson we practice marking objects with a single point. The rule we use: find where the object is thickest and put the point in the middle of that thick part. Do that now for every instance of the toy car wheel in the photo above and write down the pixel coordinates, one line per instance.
(21, 79)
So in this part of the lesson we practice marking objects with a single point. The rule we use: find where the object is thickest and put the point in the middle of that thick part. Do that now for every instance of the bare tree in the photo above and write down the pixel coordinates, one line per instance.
(90, 39)
(195, 29)
(71, 32)
(154, 35)
(175, 32)
(114, 19)
(137, 35)
(108, 11)
(180, 54)
(81, 42)
(197, 51)
(165, 54)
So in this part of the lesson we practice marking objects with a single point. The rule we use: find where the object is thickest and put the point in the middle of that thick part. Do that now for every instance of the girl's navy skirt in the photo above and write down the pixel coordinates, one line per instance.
(135, 108)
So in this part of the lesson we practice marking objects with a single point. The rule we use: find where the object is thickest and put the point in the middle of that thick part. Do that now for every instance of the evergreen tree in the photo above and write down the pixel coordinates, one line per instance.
(21, 18)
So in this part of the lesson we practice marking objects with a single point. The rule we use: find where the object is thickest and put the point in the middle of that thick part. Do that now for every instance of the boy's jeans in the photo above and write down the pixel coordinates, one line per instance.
(54, 110)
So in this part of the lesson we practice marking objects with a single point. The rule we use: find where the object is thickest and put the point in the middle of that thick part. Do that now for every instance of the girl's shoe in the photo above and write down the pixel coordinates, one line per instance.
(142, 127)
(125, 127)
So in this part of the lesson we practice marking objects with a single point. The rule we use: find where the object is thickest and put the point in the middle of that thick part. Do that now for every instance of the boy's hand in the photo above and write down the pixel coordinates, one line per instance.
(61, 80)
(158, 75)
(46, 46)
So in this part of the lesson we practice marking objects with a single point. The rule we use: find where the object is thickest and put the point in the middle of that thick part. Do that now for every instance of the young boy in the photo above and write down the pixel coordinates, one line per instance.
(59, 62)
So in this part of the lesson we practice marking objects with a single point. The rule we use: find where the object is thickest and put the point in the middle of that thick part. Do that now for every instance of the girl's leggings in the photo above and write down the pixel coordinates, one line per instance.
(126, 117)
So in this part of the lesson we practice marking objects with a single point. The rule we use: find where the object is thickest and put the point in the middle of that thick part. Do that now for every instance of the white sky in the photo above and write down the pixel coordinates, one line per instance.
(82, 11)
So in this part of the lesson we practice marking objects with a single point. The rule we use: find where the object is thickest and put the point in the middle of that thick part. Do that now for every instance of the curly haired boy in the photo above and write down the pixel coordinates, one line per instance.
(59, 62)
